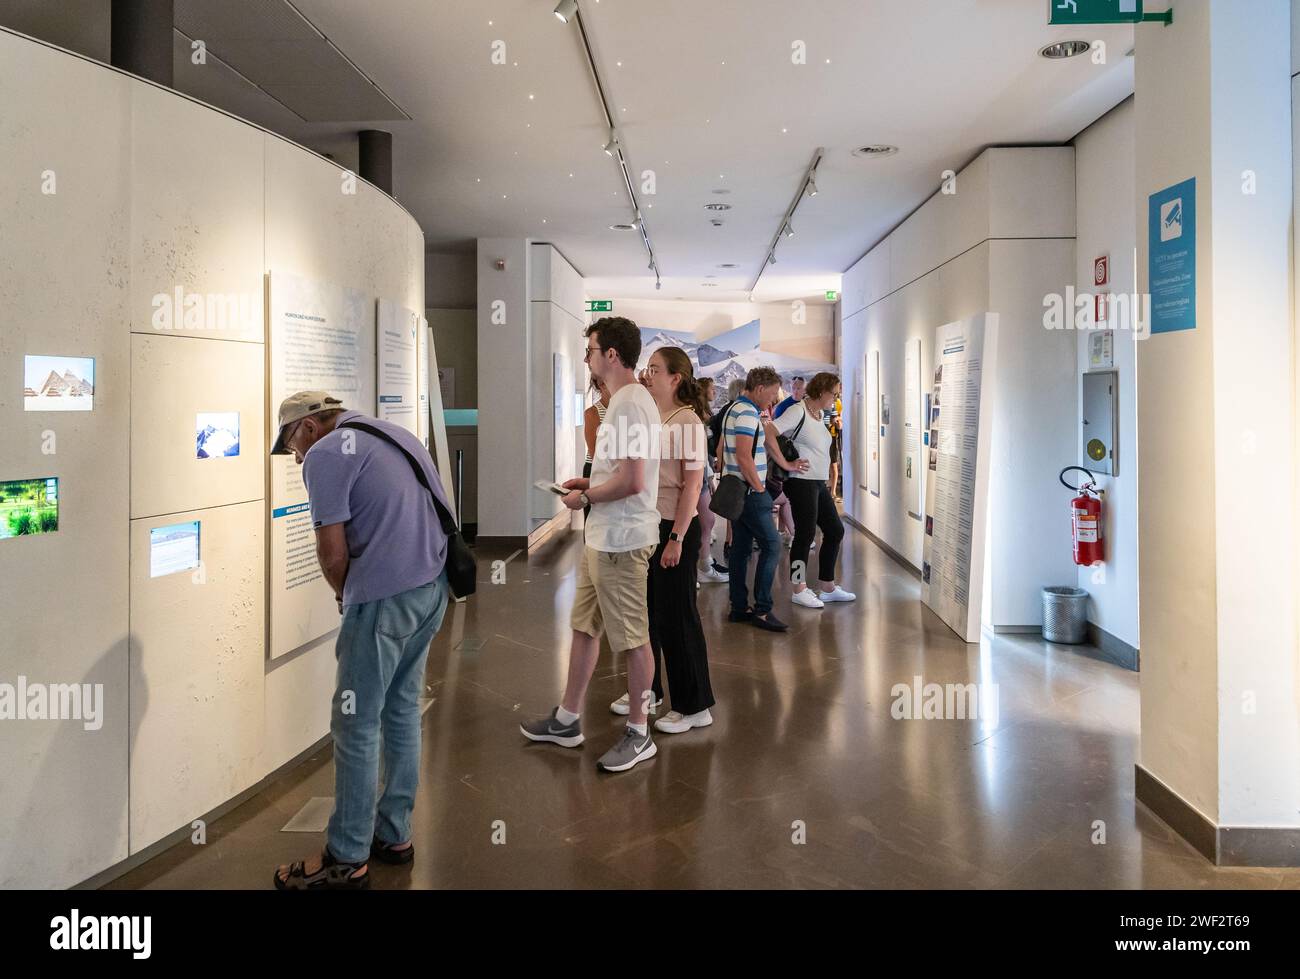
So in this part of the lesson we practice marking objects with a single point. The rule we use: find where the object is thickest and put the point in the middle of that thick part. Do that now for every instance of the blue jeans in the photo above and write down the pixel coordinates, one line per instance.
(381, 652)
(755, 523)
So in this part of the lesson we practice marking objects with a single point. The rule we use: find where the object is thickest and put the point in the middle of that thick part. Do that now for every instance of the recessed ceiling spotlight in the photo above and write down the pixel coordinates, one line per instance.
(874, 151)
(565, 10)
(728, 265)
(1065, 49)
(709, 285)
(722, 193)
(622, 227)
(717, 207)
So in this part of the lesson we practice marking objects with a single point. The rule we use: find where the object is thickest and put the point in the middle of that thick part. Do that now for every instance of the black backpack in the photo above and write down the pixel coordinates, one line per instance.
(715, 428)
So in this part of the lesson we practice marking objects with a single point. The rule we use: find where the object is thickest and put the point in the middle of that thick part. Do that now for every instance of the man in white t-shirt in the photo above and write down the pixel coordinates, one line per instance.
(622, 532)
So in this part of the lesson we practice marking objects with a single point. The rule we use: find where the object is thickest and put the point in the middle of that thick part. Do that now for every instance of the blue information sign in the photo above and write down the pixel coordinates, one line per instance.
(1171, 257)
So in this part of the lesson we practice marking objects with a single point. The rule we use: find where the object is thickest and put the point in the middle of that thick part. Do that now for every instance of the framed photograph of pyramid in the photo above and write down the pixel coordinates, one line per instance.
(58, 383)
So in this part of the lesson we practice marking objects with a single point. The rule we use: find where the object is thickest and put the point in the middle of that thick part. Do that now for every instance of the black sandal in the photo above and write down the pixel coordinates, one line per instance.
(387, 852)
(332, 876)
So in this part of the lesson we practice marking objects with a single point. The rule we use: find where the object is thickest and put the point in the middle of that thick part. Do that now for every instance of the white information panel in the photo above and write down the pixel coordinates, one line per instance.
(438, 421)
(563, 397)
(422, 365)
(860, 449)
(873, 422)
(396, 372)
(315, 334)
(913, 464)
(956, 498)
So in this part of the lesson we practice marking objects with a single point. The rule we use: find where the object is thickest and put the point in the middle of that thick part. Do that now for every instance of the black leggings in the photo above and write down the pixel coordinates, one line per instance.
(676, 632)
(814, 507)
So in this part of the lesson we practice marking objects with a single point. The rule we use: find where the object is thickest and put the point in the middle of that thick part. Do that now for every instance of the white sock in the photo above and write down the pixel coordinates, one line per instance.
(639, 729)
(565, 716)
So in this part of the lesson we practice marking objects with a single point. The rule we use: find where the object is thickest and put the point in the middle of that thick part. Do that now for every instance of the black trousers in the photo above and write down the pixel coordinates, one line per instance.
(813, 506)
(676, 633)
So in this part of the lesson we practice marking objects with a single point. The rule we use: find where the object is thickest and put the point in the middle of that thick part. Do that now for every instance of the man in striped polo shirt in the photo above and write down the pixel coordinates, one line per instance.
(744, 454)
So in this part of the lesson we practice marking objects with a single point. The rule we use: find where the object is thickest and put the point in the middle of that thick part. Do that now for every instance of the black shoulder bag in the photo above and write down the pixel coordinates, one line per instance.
(462, 570)
(728, 500)
(776, 476)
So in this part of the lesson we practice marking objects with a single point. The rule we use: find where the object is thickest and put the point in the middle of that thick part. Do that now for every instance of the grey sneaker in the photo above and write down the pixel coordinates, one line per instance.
(630, 749)
(549, 729)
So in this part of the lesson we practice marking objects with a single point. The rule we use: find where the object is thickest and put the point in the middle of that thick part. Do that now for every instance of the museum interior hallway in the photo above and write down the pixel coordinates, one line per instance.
(803, 732)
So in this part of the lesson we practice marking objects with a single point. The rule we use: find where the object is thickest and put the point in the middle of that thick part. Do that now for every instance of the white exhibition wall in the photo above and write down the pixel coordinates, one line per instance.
(1105, 168)
(1000, 243)
(528, 311)
(142, 207)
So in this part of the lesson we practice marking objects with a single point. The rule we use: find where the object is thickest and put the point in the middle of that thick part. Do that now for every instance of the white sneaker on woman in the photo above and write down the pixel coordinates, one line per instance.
(677, 723)
(622, 708)
(837, 594)
(711, 576)
(807, 599)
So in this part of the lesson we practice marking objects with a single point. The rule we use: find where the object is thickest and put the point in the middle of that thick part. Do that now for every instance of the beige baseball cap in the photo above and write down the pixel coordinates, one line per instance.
(298, 406)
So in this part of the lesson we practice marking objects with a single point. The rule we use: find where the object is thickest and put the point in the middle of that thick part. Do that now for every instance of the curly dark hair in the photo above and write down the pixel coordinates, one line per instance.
(760, 377)
(620, 333)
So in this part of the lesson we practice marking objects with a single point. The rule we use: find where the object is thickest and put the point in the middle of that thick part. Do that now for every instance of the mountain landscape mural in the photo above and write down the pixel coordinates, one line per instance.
(729, 356)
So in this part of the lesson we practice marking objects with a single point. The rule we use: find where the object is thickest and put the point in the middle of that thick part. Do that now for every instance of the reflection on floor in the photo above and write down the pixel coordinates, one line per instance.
(803, 744)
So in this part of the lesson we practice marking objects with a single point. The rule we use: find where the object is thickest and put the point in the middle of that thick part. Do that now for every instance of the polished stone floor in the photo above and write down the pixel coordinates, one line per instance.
(803, 747)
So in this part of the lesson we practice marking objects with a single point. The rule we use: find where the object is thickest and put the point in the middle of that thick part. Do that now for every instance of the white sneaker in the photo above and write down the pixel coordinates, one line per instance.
(806, 598)
(713, 575)
(622, 708)
(676, 723)
(837, 594)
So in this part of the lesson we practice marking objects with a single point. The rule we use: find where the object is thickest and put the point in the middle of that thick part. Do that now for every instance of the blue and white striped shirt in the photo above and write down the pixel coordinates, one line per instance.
(742, 419)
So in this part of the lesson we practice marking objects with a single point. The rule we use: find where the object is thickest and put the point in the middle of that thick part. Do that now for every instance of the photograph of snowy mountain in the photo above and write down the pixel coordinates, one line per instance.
(216, 434)
(729, 356)
(173, 548)
(58, 383)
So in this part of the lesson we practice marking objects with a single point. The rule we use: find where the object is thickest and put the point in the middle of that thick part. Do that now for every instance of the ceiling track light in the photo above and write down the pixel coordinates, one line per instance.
(568, 10)
(786, 229)
(565, 10)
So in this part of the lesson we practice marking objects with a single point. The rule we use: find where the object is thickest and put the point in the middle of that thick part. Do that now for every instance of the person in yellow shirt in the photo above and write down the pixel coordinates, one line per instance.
(835, 424)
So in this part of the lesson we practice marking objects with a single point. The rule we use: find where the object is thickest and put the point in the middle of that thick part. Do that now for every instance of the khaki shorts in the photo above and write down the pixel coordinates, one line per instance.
(611, 597)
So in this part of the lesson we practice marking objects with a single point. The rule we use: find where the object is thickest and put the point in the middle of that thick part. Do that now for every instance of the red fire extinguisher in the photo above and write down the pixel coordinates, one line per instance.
(1085, 519)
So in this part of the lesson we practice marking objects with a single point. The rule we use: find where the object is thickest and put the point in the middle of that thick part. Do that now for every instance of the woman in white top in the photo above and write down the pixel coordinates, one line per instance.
(676, 632)
(810, 495)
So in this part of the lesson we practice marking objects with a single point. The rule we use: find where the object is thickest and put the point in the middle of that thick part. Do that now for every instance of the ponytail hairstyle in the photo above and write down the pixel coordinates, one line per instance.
(688, 388)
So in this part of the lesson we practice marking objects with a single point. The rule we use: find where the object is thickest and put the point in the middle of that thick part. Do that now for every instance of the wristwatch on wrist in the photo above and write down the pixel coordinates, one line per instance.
(675, 536)
(584, 499)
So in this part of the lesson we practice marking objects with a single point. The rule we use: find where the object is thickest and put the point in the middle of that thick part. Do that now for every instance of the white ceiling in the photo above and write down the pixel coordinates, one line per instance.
(707, 97)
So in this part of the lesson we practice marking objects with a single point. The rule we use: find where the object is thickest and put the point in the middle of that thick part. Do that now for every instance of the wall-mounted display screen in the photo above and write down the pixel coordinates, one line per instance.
(216, 434)
(58, 383)
(29, 506)
(173, 548)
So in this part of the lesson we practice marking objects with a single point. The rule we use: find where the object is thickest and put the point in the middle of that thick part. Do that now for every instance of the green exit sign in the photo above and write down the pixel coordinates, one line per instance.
(600, 305)
(1095, 11)
(832, 295)
(1102, 12)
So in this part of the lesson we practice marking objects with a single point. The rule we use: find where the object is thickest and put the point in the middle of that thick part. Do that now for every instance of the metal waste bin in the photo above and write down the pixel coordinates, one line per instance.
(1065, 615)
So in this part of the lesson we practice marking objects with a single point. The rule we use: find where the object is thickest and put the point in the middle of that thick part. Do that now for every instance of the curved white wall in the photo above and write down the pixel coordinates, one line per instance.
(152, 191)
